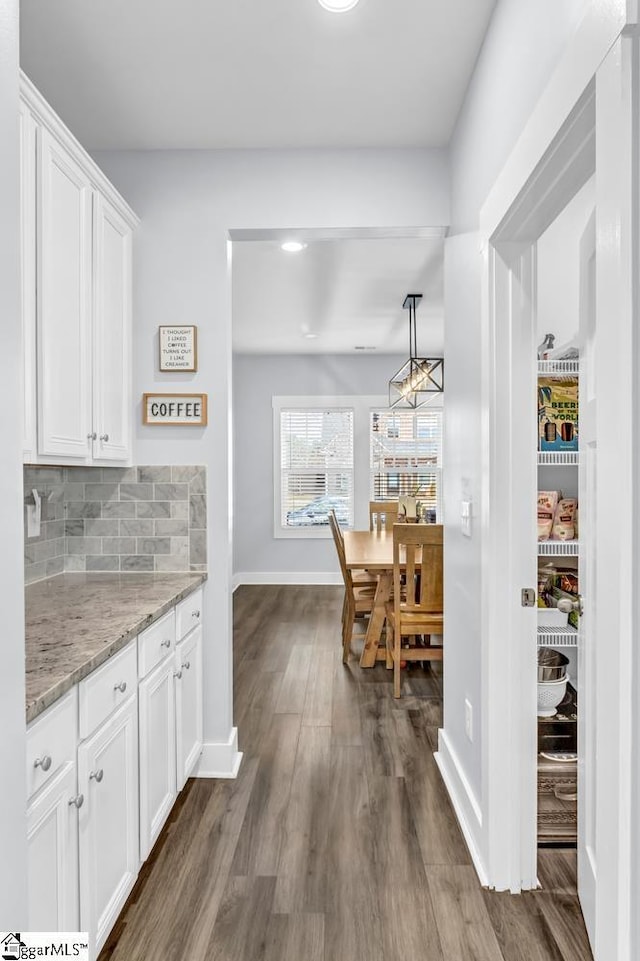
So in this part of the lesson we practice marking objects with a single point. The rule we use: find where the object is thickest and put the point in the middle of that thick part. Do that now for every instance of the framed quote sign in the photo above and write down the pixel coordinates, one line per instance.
(178, 348)
(176, 410)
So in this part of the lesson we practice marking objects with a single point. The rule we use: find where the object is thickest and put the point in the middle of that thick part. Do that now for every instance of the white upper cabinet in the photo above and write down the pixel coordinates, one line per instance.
(112, 410)
(64, 303)
(76, 298)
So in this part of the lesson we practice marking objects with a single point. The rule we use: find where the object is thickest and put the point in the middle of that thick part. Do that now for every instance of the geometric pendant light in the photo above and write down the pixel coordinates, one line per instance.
(420, 379)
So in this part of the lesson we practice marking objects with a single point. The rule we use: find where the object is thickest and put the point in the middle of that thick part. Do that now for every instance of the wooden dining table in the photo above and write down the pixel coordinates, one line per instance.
(372, 551)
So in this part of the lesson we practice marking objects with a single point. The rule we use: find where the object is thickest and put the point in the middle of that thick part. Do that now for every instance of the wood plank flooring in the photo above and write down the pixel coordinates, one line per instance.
(337, 841)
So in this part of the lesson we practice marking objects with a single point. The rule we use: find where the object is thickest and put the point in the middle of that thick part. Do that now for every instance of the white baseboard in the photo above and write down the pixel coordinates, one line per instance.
(464, 801)
(286, 577)
(220, 759)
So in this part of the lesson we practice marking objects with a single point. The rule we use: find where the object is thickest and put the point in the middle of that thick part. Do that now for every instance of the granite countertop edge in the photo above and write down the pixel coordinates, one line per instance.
(40, 704)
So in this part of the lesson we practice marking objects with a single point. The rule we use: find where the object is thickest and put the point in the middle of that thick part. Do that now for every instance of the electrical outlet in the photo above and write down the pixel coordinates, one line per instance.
(468, 719)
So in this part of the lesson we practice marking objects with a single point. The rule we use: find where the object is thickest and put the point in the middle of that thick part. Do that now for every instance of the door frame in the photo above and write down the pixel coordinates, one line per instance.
(592, 95)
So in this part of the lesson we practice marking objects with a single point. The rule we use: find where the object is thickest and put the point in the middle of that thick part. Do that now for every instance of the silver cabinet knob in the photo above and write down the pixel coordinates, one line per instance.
(77, 801)
(187, 665)
(92, 436)
(104, 437)
(195, 613)
(97, 775)
(166, 643)
(122, 686)
(177, 674)
(44, 762)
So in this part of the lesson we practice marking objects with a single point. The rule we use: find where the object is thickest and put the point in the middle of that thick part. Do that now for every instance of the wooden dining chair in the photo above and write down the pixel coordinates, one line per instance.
(359, 590)
(382, 515)
(417, 549)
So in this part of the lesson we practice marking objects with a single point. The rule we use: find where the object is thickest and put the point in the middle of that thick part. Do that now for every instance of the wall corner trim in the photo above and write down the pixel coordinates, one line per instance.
(220, 759)
(464, 802)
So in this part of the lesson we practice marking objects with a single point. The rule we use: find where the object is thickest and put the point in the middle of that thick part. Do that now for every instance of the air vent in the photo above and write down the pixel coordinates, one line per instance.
(364, 348)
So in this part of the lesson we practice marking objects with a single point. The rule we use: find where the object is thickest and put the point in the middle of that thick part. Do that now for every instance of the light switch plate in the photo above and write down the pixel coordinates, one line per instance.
(465, 517)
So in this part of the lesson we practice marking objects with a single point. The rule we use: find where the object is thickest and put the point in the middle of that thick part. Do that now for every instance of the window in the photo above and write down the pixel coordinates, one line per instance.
(315, 468)
(406, 457)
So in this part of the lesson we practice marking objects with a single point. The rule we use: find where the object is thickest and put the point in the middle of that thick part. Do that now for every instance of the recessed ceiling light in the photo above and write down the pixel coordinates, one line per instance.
(310, 335)
(293, 246)
(338, 6)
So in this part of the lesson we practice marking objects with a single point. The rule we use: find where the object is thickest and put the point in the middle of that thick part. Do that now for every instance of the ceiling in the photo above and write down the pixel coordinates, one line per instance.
(348, 291)
(154, 74)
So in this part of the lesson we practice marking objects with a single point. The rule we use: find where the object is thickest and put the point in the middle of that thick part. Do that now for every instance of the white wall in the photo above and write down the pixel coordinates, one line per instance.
(256, 380)
(13, 897)
(523, 45)
(188, 201)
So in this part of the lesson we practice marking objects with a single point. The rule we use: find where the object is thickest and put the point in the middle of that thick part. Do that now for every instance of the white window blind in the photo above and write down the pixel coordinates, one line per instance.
(316, 467)
(406, 457)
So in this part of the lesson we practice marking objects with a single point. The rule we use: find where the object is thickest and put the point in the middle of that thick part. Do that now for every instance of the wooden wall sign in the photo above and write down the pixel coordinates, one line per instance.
(182, 410)
(178, 348)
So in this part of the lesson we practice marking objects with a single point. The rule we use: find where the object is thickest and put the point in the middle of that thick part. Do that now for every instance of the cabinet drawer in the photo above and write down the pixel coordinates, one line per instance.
(107, 688)
(156, 642)
(51, 741)
(188, 614)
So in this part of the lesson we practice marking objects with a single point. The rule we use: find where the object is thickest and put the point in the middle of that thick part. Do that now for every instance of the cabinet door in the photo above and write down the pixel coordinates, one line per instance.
(64, 303)
(109, 846)
(188, 704)
(52, 853)
(111, 334)
(28, 277)
(157, 752)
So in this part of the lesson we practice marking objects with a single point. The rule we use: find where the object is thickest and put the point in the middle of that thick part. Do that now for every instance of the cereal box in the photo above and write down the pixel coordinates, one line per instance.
(558, 413)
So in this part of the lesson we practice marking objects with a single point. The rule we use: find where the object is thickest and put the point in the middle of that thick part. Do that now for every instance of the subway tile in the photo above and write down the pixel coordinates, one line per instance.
(84, 545)
(137, 562)
(154, 545)
(154, 475)
(170, 526)
(71, 492)
(35, 572)
(137, 527)
(180, 510)
(119, 509)
(169, 562)
(102, 527)
(74, 527)
(120, 475)
(154, 509)
(198, 511)
(103, 562)
(54, 529)
(198, 483)
(137, 492)
(55, 565)
(83, 475)
(101, 492)
(35, 476)
(171, 492)
(183, 474)
(180, 546)
(119, 545)
(74, 562)
(84, 509)
(198, 547)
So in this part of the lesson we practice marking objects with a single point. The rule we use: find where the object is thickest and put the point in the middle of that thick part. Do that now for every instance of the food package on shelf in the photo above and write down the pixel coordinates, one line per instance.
(564, 520)
(547, 504)
(558, 413)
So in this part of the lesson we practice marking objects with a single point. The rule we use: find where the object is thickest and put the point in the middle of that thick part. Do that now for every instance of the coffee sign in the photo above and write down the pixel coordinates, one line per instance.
(178, 348)
(180, 410)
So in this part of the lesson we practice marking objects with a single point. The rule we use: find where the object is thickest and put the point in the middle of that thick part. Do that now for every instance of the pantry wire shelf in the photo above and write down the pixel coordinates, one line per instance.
(556, 548)
(558, 368)
(557, 637)
(558, 458)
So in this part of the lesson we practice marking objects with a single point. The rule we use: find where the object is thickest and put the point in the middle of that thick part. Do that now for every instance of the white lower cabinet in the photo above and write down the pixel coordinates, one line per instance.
(52, 854)
(157, 752)
(188, 704)
(109, 846)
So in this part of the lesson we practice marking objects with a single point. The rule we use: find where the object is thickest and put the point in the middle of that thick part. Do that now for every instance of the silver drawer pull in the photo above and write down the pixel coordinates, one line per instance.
(104, 437)
(77, 801)
(43, 762)
(178, 674)
(165, 643)
(122, 686)
(97, 775)
(195, 613)
(92, 436)
(187, 665)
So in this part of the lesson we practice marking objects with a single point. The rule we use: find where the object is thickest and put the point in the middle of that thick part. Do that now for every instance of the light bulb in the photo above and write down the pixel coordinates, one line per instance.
(338, 6)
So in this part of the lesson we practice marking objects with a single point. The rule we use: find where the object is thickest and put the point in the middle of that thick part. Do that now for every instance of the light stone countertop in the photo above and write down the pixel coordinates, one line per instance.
(75, 622)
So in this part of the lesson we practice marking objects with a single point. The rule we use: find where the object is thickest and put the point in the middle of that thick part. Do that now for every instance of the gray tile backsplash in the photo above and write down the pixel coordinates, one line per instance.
(117, 519)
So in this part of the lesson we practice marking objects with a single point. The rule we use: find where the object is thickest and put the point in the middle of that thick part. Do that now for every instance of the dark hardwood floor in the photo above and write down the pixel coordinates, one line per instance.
(337, 841)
